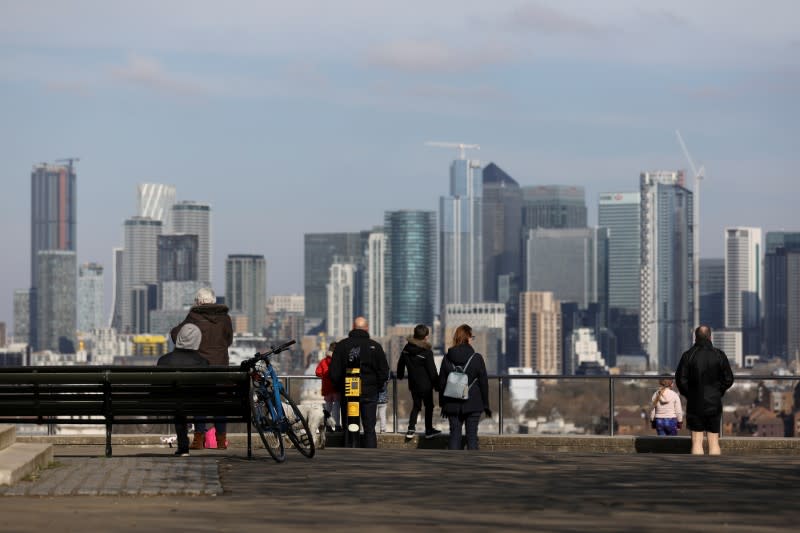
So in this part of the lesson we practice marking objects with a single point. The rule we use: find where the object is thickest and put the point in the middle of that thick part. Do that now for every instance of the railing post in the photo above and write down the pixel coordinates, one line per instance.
(394, 404)
(611, 405)
(500, 405)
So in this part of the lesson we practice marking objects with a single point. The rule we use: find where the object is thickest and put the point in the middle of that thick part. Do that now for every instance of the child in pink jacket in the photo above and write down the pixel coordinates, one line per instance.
(667, 413)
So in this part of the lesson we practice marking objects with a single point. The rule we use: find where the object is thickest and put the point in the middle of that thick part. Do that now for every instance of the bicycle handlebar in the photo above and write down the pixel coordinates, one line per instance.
(272, 351)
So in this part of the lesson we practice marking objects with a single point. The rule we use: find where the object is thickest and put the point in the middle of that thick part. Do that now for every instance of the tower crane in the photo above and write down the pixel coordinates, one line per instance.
(461, 147)
(68, 160)
(698, 175)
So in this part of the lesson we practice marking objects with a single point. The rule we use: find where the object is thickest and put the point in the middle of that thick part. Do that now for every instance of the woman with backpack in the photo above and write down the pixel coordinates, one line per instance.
(464, 394)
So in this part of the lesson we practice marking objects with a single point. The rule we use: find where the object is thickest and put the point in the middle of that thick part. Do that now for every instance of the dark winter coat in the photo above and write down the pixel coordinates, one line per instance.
(479, 380)
(215, 325)
(418, 358)
(181, 357)
(359, 349)
(703, 376)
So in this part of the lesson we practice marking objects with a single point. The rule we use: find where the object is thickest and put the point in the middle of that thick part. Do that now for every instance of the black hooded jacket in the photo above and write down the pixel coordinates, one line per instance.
(364, 352)
(703, 376)
(418, 358)
(479, 380)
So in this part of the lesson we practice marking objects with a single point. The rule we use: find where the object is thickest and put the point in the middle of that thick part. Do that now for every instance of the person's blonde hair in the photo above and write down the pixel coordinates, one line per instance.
(462, 335)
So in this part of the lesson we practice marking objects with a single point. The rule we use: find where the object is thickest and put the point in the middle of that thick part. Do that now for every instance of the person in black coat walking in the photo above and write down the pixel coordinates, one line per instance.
(185, 354)
(703, 375)
(360, 351)
(464, 412)
(422, 379)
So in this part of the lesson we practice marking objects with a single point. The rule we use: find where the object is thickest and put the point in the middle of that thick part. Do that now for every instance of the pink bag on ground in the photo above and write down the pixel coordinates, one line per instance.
(211, 438)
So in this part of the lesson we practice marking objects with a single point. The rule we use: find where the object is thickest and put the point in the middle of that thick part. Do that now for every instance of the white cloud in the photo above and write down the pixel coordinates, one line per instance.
(148, 72)
(539, 18)
(411, 55)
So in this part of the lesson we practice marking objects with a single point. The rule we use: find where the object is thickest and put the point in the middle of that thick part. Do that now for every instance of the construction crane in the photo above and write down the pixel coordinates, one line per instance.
(461, 147)
(698, 175)
(68, 160)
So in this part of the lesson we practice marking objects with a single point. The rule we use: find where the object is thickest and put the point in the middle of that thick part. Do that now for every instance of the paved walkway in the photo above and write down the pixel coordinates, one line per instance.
(393, 490)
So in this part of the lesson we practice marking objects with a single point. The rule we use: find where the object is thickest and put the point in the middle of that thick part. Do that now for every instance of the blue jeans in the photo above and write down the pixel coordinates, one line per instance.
(667, 426)
(470, 420)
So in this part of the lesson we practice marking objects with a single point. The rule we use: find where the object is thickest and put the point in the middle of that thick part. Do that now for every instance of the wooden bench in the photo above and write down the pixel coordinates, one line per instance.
(122, 395)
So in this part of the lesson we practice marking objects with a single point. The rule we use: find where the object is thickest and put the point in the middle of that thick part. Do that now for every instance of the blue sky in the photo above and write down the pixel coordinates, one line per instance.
(312, 116)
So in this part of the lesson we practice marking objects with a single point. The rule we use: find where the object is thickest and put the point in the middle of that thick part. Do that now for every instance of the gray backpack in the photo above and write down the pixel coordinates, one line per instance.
(458, 385)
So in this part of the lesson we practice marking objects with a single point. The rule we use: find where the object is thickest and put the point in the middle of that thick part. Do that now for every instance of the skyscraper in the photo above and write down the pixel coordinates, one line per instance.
(91, 297)
(53, 224)
(553, 206)
(620, 213)
(22, 315)
(540, 340)
(667, 278)
(319, 250)
(140, 265)
(502, 223)
(117, 268)
(56, 309)
(570, 263)
(178, 257)
(156, 201)
(342, 297)
(246, 288)
(461, 235)
(743, 285)
(194, 218)
(410, 265)
(712, 292)
(782, 294)
(375, 293)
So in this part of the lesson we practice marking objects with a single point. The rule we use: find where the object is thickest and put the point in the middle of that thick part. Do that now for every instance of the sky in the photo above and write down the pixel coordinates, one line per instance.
(312, 116)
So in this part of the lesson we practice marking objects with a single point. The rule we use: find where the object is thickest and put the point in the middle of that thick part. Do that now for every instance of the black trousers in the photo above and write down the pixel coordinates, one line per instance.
(419, 398)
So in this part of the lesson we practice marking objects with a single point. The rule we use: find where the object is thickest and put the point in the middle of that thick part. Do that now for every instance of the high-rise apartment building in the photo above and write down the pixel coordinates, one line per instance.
(246, 288)
(461, 235)
(571, 263)
(155, 201)
(375, 281)
(194, 218)
(56, 308)
(410, 266)
(343, 294)
(22, 315)
(483, 318)
(287, 303)
(91, 297)
(540, 340)
(743, 285)
(502, 223)
(178, 257)
(782, 294)
(553, 206)
(712, 292)
(139, 268)
(117, 267)
(667, 297)
(53, 224)
(319, 249)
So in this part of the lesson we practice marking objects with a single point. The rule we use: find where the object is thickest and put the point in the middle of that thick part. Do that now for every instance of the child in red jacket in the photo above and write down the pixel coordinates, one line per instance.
(328, 392)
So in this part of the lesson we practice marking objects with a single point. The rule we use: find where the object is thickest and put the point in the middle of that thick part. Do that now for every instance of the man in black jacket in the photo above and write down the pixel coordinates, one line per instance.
(185, 354)
(422, 379)
(358, 350)
(703, 376)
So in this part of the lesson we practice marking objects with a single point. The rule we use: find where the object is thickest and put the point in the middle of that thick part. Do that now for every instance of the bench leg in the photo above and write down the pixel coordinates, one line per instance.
(108, 439)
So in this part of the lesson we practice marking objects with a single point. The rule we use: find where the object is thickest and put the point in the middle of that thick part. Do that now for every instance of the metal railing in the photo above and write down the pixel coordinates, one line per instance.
(505, 379)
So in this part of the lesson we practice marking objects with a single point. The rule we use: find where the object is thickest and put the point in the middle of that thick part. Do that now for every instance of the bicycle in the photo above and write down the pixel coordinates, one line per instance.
(274, 413)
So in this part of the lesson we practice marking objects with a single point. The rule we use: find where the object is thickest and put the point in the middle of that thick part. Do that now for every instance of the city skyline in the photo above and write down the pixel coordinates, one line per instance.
(276, 132)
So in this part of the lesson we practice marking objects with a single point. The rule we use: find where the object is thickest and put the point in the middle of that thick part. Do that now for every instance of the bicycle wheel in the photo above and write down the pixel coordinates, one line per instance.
(266, 426)
(297, 429)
